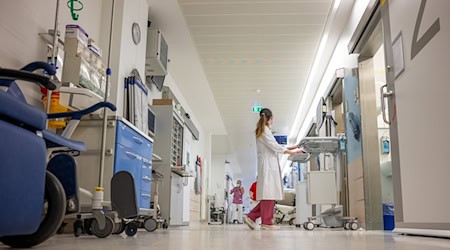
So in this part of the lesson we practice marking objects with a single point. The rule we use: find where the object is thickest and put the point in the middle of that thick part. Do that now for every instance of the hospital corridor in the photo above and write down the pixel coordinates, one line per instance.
(224, 124)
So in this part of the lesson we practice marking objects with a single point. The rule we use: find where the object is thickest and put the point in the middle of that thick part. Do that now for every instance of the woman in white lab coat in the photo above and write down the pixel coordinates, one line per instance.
(270, 187)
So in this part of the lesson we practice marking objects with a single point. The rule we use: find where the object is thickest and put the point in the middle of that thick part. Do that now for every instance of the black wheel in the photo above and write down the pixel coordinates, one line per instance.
(52, 217)
(150, 225)
(120, 227)
(131, 229)
(298, 225)
(105, 232)
(78, 228)
(88, 226)
(78, 231)
(347, 225)
(354, 226)
(165, 225)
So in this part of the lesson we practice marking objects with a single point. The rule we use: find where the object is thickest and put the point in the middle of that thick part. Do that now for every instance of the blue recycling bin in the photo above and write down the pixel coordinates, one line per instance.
(388, 216)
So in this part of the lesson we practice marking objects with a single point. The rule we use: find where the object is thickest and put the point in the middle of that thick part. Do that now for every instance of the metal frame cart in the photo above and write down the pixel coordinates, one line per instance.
(216, 215)
(322, 185)
(156, 221)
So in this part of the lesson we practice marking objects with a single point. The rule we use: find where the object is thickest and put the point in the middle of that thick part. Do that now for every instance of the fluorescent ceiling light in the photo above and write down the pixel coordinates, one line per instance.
(294, 133)
(323, 42)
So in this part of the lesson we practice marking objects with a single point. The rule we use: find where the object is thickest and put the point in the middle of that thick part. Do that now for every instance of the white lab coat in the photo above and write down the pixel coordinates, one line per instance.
(269, 172)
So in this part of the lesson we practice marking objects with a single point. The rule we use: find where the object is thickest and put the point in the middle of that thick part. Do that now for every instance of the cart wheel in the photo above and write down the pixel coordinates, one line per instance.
(88, 226)
(165, 225)
(354, 226)
(131, 229)
(309, 226)
(78, 228)
(150, 225)
(105, 232)
(347, 225)
(298, 225)
(119, 227)
(53, 215)
(78, 231)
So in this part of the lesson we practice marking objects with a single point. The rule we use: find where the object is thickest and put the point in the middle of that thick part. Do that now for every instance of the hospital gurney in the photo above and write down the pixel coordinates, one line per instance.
(284, 213)
(323, 185)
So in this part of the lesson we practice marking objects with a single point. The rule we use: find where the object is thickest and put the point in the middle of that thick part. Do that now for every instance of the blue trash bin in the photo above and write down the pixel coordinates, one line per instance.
(388, 216)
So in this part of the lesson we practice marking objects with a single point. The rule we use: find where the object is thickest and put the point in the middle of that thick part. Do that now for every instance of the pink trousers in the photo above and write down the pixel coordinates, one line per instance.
(264, 210)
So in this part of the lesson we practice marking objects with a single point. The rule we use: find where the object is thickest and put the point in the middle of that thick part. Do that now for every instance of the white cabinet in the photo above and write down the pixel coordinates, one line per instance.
(176, 200)
(322, 187)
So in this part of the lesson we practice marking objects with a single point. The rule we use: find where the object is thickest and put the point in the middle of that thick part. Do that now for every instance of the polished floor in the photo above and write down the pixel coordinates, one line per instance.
(236, 237)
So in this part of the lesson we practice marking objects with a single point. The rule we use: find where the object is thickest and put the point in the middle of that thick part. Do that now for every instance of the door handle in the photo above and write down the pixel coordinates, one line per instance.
(147, 179)
(384, 95)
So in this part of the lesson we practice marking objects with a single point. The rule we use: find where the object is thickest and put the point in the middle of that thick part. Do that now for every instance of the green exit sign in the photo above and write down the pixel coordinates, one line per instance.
(256, 109)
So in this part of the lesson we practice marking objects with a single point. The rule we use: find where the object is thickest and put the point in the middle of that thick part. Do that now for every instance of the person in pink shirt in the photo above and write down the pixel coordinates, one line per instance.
(237, 208)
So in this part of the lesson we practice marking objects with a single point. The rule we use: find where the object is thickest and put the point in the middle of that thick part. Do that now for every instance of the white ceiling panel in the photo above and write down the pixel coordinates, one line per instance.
(255, 62)
(227, 48)
(275, 19)
(255, 52)
(262, 54)
(295, 29)
(250, 1)
(255, 8)
(256, 70)
(257, 39)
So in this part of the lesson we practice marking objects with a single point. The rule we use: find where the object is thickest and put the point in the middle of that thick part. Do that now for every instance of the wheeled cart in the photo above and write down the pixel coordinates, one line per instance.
(155, 221)
(216, 215)
(127, 175)
(322, 185)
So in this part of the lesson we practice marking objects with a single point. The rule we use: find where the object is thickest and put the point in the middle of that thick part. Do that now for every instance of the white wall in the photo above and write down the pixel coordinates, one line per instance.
(125, 55)
(22, 20)
(217, 178)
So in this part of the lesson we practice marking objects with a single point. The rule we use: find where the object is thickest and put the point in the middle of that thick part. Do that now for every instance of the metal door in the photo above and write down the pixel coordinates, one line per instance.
(417, 38)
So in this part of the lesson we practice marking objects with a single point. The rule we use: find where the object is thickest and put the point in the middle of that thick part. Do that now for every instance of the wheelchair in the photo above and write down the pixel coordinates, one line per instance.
(38, 179)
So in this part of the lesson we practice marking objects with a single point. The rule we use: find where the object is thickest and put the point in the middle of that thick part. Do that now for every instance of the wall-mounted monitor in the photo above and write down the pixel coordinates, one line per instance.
(281, 139)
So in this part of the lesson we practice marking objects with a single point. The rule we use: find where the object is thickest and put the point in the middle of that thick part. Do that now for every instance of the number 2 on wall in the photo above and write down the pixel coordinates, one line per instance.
(418, 45)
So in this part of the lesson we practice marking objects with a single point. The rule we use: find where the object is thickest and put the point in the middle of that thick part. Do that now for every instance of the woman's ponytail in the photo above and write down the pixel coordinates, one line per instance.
(264, 116)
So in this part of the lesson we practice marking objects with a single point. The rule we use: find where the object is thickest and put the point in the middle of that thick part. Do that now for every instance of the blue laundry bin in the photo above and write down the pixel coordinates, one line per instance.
(388, 216)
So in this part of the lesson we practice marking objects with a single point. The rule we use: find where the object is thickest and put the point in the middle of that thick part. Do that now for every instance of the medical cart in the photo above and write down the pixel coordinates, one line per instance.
(322, 185)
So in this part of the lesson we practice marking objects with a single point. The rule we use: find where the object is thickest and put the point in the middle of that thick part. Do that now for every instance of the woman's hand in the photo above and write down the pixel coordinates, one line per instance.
(295, 151)
(293, 147)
